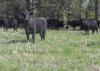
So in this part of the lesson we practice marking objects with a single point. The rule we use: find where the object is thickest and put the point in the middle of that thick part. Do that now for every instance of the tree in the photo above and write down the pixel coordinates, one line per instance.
(96, 9)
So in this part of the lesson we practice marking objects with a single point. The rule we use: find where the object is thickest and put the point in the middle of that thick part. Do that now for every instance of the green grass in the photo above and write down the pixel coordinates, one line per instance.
(61, 51)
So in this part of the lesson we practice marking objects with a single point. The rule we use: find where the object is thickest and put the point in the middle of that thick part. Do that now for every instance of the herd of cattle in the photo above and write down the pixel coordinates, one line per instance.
(8, 23)
(40, 25)
(85, 24)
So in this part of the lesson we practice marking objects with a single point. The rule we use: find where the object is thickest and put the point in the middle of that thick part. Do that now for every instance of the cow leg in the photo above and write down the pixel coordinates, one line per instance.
(15, 29)
(27, 37)
(27, 34)
(93, 31)
(33, 36)
(6, 28)
(87, 31)
(97, 30)
(44, 33)
(74, 27)
(41, 35)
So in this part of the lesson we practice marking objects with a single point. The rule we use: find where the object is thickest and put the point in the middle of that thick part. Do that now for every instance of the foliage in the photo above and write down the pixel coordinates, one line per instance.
(49, 8)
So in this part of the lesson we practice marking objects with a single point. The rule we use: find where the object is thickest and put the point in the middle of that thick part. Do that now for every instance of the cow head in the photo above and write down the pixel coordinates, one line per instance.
(27, 14)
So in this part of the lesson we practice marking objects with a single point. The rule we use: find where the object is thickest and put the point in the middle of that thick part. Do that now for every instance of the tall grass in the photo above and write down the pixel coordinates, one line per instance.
(61, 51)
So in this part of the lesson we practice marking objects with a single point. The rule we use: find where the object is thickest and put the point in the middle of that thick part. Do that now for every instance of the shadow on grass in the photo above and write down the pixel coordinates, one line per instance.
(84, 33)
(13, 41)
(93, 43)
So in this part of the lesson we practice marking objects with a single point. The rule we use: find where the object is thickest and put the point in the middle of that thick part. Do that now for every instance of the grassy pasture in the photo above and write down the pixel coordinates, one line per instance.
(61, 51)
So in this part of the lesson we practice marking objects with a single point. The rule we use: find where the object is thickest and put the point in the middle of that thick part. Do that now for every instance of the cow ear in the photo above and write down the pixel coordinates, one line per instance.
(23, 14)
(31, 13)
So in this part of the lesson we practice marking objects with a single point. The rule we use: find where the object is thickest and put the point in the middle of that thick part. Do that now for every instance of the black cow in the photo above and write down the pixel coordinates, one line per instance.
(3, 23)
(88, 24)
(54, 24)
(73, 23)
(20, 20)
(8, 23)
(98, 22)
(60, 24)
(11, 23)
(32, 26)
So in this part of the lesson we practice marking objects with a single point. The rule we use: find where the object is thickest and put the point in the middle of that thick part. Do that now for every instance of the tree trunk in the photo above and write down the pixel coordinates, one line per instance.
(96, 9)
(86, 12)
(28, 5)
